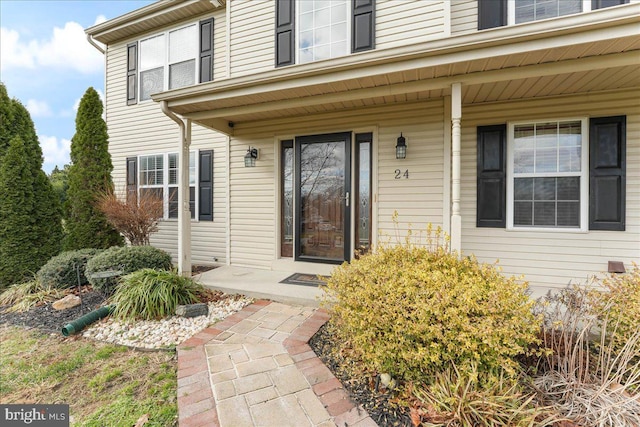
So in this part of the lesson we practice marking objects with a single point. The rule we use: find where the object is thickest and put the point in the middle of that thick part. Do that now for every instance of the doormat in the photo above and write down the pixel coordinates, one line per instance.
(306, 279)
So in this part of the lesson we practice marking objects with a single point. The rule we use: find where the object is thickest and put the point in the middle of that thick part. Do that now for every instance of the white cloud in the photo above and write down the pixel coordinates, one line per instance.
(100, 19)
(38, 108)
(56, 152)
(14, 53)
(66, 48)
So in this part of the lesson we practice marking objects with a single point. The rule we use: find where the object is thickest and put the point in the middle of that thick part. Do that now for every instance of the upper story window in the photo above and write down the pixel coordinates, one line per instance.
(323, 30)
(176, 58)
(313, 30)
(497, 13)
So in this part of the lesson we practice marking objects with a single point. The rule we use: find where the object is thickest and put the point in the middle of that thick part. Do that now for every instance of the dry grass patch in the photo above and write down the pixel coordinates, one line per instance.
(103, 384)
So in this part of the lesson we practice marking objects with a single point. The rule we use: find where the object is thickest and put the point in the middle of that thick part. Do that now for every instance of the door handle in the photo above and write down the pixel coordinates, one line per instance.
(346, 198)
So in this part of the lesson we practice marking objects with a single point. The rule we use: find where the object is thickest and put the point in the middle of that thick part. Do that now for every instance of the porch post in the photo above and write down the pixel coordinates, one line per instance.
(184, 213)
(456, 116)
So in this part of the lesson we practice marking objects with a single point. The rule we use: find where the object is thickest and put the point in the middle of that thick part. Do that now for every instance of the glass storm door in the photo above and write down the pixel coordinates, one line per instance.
(322, 168)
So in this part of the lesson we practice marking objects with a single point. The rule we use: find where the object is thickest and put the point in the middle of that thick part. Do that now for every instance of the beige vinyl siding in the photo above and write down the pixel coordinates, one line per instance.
(553, 259)
(400, 23)
(143, 129)
(464, 17)
(252, 36)
(418, 200)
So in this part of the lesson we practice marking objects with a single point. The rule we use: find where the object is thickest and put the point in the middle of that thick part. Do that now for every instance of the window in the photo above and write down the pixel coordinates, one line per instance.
(549, 181)
(497, 13)
(534, 10)
(176, 58)
(313, 30)
(547, 174)
(323, 30)
(162, 180)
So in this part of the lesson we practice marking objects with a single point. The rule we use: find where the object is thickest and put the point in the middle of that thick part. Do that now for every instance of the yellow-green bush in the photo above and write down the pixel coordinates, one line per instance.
(411, 311)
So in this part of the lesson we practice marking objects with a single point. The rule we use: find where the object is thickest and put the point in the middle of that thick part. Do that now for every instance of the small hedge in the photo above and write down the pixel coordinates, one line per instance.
(411, 311)
(153, 294)
(62, 270)
(126, 259)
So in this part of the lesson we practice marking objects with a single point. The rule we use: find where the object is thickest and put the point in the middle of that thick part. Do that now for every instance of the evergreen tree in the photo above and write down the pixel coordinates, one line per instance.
(60, 181)
(30, 215)
(6, 119)
(89, 175)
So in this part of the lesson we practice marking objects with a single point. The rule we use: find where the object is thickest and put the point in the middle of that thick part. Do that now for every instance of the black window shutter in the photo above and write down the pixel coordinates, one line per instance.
(607, 170)
(132, 179)
(132, 73)
(599, 4)
(492, 177)
(205, 186)
(206, 50)
(362, 28)
(492, 14)
(285, 39)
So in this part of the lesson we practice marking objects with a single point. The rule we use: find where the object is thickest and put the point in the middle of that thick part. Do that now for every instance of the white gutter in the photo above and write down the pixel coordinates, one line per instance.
(184, 215)
(94, 44)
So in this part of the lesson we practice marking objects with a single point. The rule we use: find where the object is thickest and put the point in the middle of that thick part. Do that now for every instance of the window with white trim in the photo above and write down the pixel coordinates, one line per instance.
(547, 175)
(535, 10)
(323, 29)
(168, 60)
(159, 174)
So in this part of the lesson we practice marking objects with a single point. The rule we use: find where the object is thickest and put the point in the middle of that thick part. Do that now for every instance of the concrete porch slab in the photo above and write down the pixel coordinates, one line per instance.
(261, 284)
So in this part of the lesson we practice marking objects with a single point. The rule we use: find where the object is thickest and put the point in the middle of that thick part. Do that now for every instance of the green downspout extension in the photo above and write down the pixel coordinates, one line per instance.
(80, 323)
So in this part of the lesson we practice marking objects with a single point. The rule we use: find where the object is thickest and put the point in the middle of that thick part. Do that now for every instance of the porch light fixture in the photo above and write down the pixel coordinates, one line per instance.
(401, 147)
(250, 157)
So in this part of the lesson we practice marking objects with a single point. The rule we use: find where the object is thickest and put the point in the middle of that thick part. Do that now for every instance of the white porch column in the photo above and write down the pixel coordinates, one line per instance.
(184, 213)
(456, 116)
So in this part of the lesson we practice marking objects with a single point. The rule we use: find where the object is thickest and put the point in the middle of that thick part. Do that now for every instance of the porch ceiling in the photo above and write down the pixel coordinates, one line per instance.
(517, 67)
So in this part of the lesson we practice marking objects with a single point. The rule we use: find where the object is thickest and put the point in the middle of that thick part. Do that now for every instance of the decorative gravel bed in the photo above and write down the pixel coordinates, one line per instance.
(164, 333)
(169, 332)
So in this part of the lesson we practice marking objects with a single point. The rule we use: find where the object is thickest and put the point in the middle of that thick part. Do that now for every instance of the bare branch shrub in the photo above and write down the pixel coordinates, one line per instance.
(134, 217)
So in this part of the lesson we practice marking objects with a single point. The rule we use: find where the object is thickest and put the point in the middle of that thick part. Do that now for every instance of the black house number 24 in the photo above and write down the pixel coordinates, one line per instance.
(400, 174)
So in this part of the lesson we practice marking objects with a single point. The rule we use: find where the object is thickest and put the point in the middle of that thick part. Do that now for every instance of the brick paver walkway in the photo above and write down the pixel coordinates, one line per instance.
(255, 368)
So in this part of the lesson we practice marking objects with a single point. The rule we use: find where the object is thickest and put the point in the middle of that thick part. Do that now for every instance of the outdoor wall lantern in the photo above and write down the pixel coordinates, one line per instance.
(401, 147)
(251, 157)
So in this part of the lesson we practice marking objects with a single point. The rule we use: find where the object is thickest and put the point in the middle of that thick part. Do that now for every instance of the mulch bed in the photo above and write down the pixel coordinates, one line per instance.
(47, 319)
(362, 390)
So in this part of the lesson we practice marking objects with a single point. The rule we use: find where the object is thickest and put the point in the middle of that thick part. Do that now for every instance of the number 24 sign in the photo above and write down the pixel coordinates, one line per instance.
(400, 174)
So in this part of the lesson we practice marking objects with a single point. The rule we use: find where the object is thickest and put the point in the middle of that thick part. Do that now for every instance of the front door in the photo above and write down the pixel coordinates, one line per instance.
(322, 170)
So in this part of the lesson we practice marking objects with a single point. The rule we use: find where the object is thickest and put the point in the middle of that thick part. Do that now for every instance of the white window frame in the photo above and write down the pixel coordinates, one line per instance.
(166, 63)
(299, 29)
(511, 12)
(584, 175)
(165, 181)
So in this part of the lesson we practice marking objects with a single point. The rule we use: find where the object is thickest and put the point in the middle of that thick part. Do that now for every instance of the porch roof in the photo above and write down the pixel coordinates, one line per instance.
(590, 52)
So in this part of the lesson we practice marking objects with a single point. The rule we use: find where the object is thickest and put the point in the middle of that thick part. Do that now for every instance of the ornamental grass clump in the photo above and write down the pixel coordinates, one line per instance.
(152, 294)
(21, 297)
(412, 309)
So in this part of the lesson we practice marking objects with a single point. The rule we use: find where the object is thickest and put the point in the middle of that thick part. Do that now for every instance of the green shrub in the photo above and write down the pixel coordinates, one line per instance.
(126, 259)
(411, 310)
(62, 270)
(153, 294)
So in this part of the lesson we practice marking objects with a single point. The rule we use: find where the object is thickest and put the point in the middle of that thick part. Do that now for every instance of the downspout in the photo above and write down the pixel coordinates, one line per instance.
(184, 215)
(94, 44)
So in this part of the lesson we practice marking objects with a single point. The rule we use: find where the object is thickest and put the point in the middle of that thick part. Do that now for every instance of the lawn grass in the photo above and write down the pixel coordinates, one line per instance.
(104, 384)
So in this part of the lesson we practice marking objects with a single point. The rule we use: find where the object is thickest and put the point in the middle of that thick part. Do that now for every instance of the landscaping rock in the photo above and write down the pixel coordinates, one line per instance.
(192, 310)
(69, 301)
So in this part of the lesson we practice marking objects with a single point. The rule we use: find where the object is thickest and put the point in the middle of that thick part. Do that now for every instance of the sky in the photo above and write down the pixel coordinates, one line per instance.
(47, 63)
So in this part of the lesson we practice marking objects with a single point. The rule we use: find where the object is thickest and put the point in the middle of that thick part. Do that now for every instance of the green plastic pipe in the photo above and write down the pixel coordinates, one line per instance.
(80, 323)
